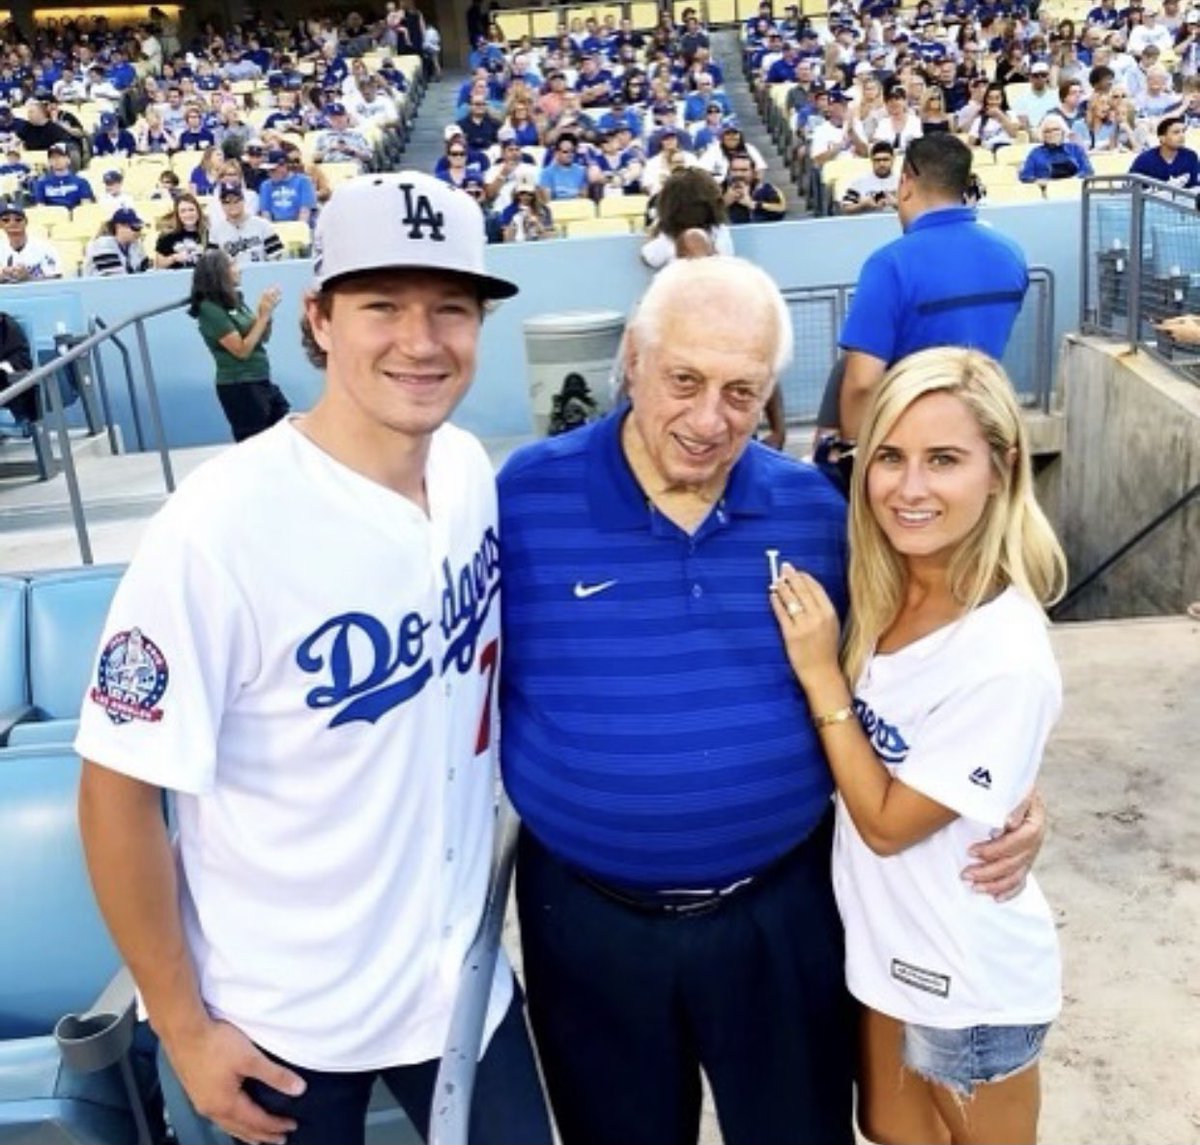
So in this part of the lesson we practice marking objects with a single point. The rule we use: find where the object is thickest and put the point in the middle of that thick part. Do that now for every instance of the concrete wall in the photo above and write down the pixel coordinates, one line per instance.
(1132, 448)
(583, 274)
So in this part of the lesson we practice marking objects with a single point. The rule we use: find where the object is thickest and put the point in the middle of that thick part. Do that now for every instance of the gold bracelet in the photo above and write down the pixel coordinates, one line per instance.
(838, 717)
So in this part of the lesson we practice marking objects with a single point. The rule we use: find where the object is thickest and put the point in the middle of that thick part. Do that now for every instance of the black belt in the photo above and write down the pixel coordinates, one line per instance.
(676, 903)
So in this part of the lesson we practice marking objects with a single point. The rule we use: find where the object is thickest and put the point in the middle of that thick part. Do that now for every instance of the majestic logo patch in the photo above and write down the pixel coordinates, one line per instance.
(131, 678)
(981, 777)
(921, 979)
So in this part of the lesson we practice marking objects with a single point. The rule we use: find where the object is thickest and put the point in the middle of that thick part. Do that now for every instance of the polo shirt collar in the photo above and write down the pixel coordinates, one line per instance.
(617, 502)
(941, 217)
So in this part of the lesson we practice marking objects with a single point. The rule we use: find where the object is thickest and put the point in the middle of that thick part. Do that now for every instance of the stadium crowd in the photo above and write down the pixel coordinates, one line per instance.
(126, 149)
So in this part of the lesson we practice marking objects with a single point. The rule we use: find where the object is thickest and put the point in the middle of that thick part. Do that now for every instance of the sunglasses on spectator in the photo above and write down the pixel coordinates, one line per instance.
(457, 154)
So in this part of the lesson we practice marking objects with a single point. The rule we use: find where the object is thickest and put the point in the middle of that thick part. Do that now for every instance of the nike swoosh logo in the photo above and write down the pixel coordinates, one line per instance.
(583, 591)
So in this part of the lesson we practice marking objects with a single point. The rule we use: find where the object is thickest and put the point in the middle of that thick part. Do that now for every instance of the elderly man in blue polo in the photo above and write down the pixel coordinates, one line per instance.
(673, 885)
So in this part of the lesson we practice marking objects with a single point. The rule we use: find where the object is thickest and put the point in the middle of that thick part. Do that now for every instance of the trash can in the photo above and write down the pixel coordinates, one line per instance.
(571, 357)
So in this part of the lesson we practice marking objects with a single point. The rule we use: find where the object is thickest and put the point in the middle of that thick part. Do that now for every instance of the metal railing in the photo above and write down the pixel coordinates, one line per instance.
(45, 378)
(1140, 264)
(819, 312)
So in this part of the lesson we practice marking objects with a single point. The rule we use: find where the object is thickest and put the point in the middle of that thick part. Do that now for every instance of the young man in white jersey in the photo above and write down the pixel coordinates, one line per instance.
(303, 653)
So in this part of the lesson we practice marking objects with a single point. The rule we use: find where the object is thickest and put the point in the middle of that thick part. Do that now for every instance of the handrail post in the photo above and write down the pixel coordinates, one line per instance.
(1134, 293)
(102, 387)
(155, 411)
(51, 390)
(1085, 261)
(130, 390)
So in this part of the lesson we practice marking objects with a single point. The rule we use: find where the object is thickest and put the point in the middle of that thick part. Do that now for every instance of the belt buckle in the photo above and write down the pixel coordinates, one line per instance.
(703, 906)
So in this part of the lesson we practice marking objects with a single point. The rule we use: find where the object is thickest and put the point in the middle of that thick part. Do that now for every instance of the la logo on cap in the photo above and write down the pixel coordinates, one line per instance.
(419, 214)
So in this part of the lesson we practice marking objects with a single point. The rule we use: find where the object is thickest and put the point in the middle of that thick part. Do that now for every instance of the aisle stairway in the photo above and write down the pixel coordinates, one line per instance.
(726, 48)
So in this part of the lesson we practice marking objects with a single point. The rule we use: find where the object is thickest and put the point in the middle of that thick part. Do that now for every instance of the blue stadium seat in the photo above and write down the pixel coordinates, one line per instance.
(54, 965)
(65, 613)
(14, 689)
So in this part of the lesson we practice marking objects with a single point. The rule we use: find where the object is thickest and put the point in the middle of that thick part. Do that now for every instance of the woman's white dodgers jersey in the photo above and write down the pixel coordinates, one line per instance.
(961, 716)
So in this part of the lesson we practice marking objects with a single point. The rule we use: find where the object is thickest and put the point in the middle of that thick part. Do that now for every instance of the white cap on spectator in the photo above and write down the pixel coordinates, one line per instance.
(506, 135)
(398, 221)
(1040, 68)
(451, 132)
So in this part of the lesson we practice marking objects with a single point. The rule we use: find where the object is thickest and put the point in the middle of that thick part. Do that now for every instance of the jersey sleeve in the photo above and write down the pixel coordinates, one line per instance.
(978, 751)
(175, 648)
(874, 319)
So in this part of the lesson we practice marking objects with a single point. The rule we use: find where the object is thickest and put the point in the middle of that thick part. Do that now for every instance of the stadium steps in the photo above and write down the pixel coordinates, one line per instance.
(425, 141)
(726, 49)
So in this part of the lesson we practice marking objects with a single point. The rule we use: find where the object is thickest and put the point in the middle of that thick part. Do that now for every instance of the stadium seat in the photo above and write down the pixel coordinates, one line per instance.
(14, 689)
(65, 613)
(87, 215)
(70, 256)
(624, 206)
(70, 230)
(46, 216)
(38, 160)
(1064, 189)
(564, 211)
(84, 1085)
(1016, 193)
(588, 228)
(1111, 162)
(339, 172)
(295, 236)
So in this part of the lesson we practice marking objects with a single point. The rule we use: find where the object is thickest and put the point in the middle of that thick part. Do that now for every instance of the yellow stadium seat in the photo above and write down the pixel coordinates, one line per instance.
(584, 228)
(142, 178)
(87, 215)
(68, 230)
(564, 211)
(995, 174)
(1014, 154)
(295, 236)
(514, 24)
(1111, 162)
(38, 160)
(70, 256)
(183, 163)
(624, 206)
(543, 24)
(46, 216)
(1017, 193)
(844, 166)
(1064, 189)
(104, 163)
(722, 12)
(339, 172)
(644, 14)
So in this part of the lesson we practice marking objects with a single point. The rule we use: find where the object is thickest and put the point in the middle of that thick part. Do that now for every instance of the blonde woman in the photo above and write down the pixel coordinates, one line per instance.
(867, 110)
(934, 721)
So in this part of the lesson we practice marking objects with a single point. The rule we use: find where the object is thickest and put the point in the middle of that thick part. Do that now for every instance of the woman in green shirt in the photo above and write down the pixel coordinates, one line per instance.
(236, 337)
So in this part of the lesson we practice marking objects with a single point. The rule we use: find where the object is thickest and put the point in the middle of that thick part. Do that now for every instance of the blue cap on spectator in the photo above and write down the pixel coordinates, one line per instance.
(129, 217)
(113, 177)
(11, 207)
(663, 108)
(58, 149)
(5, 111)
(335, 109)
(231, 189)
(276, 158)
(730, 123)
(107, 120)
(836, 96)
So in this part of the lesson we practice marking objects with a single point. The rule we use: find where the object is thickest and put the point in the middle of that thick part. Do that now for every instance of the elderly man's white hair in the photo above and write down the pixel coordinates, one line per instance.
(746, 288)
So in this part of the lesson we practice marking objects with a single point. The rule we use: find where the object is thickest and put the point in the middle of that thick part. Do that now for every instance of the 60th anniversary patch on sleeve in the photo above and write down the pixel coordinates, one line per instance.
(131, 678)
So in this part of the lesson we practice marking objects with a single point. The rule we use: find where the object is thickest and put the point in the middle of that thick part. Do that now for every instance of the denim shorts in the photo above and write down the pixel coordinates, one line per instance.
(962, 1059)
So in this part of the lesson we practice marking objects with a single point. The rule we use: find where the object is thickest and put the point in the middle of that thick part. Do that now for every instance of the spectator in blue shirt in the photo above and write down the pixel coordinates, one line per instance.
(111, 138)
(1170, 162)
(286, 196)
(195, 136)
(1056, 157)
(61, 187)
(564, 177)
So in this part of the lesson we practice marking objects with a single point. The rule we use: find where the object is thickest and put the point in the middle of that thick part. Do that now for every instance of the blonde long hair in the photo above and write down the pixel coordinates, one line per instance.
(1011, 544)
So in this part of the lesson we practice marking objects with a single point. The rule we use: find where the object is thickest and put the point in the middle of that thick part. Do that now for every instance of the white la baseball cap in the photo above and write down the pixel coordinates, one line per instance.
(402, 220)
